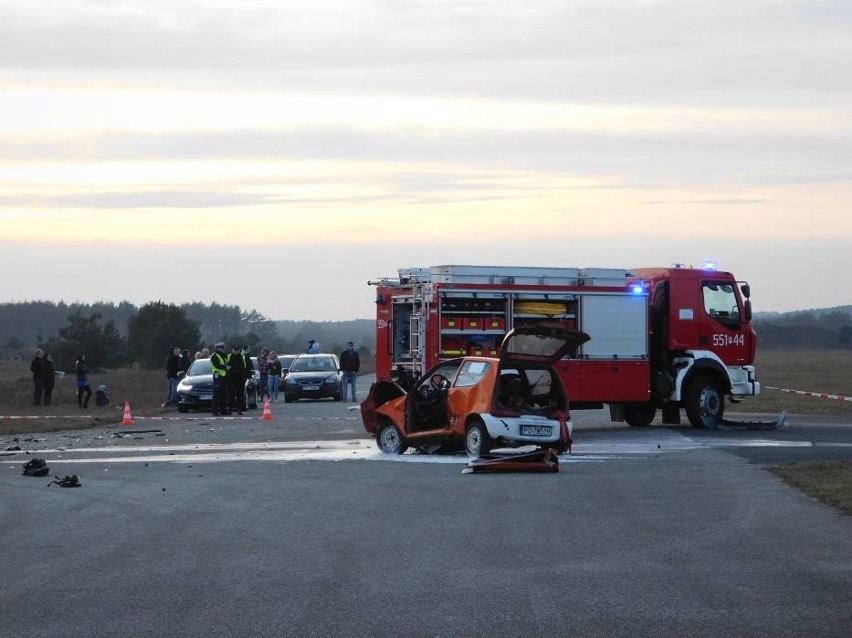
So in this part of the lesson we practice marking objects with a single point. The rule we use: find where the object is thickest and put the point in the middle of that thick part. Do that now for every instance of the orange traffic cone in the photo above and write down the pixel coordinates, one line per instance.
(127, 420)
(267, 410)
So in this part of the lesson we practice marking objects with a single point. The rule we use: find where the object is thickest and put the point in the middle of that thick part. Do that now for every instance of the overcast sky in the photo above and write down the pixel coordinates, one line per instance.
(277, 154)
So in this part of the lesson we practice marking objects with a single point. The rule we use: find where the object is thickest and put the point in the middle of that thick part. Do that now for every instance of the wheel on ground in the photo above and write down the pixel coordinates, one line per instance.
(338, 397)
(639, 415)
(182, 408)
(476, 440)
(389, 440)
(704, 402)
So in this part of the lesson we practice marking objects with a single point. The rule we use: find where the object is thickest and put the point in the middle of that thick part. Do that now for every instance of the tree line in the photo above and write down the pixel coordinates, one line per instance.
(824, 329)
(115, 335)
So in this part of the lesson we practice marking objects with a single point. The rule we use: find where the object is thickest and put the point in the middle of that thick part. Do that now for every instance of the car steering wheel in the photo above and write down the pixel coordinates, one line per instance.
(440, 382)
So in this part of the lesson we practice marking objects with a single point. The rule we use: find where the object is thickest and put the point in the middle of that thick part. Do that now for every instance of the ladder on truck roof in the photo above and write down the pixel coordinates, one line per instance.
(525, 275)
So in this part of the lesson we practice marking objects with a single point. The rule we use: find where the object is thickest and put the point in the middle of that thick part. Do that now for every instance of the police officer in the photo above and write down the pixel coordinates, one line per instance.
(237, 379)
(219, 362)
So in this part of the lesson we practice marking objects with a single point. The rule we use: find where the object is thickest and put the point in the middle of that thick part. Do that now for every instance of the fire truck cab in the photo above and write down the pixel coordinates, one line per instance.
(661, 338)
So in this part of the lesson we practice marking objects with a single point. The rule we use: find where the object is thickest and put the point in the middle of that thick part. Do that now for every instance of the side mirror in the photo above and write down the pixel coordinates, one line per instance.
(746, 290)
(748, 309)
(181, 374)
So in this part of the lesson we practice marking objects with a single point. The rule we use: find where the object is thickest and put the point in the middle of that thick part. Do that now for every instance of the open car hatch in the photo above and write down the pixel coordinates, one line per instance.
(544, 343)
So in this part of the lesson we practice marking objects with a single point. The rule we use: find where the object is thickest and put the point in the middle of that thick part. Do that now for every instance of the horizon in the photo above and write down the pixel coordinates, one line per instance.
(157, 151)
(840, 307)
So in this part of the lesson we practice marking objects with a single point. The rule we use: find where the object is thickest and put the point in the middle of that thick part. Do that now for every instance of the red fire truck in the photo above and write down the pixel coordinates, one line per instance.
(661, 338)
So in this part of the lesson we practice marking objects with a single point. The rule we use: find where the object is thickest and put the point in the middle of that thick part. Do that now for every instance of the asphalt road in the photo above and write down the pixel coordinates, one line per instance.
(300, 527)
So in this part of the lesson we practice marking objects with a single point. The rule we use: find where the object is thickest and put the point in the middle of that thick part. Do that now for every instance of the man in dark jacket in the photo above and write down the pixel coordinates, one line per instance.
(172, 369)
(237, 379)
(49, 378)
(350, 363)
(37, 368)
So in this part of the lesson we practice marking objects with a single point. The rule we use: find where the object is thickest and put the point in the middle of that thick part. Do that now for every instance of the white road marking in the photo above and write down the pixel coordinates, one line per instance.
(591, 447)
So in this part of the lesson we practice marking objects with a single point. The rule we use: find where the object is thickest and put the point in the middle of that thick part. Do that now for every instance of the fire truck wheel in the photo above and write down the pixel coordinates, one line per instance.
(704, 402)
(389, 440)
(476, 440)
(639, 415)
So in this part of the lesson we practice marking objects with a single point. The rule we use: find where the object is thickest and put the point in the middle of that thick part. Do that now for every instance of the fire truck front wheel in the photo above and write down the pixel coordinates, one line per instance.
(389, 440)
(639, 415)
(476, 440)
(704, 402)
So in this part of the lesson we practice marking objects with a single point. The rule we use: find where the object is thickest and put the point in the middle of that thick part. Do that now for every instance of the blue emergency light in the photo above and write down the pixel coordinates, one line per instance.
(708, 265)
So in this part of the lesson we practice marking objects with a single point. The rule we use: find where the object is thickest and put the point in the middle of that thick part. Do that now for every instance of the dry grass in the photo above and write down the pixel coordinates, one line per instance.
(811, 371)
(827, 481)
(145, 390)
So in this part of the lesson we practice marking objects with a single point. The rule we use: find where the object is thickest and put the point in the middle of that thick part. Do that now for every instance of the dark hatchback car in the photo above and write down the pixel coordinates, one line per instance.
(195, 390)
(313, 376)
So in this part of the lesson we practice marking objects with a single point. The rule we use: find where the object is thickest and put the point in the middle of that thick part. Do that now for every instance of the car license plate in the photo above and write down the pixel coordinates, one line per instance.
(205, 396)
(310, 387)
(536, 430)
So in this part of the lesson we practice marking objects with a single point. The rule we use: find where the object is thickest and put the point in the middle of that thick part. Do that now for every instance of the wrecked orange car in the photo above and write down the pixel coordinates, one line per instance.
(481, 402)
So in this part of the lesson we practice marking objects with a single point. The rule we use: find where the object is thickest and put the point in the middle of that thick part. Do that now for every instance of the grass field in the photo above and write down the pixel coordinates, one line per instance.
(811, 371)
(827, 481)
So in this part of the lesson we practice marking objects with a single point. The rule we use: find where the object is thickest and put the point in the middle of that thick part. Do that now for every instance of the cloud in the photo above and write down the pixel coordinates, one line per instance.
(708, 202)
(594, 51)
(653, 159)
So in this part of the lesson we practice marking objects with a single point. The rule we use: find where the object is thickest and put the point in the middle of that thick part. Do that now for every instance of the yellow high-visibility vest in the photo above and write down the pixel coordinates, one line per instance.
(219, 364)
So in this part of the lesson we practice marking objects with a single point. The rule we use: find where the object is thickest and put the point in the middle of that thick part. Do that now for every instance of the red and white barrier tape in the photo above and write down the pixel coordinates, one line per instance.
(818, 395)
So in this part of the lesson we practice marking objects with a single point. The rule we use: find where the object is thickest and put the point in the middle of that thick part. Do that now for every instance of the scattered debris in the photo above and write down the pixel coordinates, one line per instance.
(13, 448)
(68, 481)
(36, 467)
(539, 460)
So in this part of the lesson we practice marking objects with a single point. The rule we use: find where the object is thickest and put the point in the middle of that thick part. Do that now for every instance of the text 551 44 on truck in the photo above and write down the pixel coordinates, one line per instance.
(661, 338)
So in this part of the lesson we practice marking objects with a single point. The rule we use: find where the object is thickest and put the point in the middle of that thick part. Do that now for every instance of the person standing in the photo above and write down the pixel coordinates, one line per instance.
(37, 368)
(237, 380)
(313, 347)
(263, 369)
(49, 378)
(84, 392)
(219, 363)
(185, 360)
(172, 369)
(350, 363)
(273, 371)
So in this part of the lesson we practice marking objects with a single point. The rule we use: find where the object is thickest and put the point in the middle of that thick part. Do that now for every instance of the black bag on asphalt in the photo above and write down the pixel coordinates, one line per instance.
(36, 467)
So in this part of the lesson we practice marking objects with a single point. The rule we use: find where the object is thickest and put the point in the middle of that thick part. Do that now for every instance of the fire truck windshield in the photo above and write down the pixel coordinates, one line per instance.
(720, 302)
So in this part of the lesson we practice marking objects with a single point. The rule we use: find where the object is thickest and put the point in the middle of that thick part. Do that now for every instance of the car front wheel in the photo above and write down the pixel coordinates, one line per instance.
(477, 440)
(389, 440)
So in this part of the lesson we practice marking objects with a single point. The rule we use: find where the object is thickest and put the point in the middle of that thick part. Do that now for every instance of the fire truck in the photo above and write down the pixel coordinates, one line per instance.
(661, 338)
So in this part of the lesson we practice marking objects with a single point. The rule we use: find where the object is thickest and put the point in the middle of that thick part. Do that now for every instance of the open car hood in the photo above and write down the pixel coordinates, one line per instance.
(544, 343)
